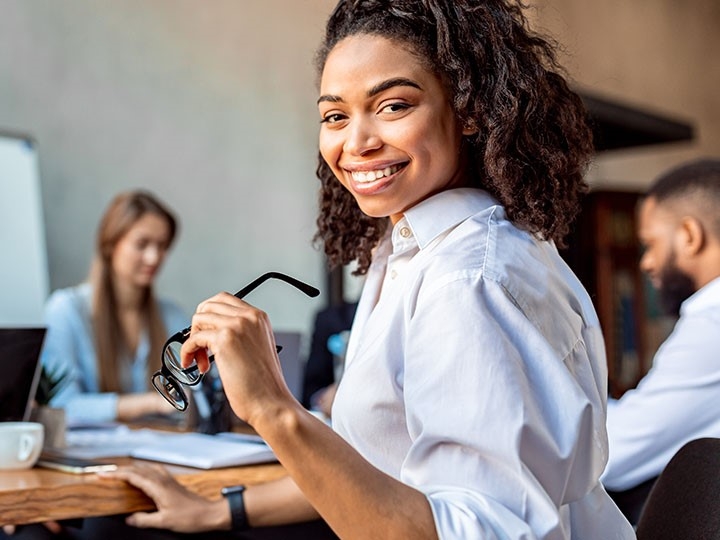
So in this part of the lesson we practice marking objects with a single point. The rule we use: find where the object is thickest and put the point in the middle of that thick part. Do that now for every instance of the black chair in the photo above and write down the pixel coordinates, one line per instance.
(631, 501)
(684, 503)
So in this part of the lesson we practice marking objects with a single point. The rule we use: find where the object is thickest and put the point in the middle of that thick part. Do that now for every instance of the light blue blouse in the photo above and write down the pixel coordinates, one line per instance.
(69, 347)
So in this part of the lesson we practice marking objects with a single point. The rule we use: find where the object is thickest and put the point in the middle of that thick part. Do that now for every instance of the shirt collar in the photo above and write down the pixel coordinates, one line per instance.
(430, 218)
(707, 296)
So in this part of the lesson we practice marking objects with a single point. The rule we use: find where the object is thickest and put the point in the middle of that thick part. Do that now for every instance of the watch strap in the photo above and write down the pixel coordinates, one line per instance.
(236, 500)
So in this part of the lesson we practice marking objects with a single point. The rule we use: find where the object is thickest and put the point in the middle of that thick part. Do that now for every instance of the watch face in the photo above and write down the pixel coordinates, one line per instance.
(232, 489)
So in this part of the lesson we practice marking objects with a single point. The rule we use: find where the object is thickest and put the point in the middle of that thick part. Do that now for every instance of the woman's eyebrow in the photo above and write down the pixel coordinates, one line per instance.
(375, 90)
(390, 83)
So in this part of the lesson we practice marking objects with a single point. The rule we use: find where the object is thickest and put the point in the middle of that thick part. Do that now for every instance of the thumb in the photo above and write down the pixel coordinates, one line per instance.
(145, 520)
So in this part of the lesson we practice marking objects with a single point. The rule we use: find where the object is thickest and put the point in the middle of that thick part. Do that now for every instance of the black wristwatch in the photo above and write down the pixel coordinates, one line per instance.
(234, 496)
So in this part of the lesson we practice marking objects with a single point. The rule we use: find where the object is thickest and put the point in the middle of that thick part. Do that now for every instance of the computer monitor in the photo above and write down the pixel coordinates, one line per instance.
(19, 371)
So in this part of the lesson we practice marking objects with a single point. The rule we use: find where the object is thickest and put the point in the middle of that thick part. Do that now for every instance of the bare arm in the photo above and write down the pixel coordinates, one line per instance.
(180, 510)
(356, 499)
(132, 406)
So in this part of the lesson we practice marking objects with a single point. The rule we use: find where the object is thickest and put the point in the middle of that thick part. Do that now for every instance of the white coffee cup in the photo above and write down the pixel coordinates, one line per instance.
(20, 444)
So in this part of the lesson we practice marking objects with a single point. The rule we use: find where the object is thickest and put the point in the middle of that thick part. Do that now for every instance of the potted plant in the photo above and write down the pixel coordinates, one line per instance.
(53, 419)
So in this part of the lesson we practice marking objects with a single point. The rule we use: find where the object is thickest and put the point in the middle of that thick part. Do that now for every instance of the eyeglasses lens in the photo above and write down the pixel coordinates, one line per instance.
(187, 375)
(169, 391)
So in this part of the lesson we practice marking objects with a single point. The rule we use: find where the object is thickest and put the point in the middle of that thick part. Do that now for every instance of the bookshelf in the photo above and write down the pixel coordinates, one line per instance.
(604, 252)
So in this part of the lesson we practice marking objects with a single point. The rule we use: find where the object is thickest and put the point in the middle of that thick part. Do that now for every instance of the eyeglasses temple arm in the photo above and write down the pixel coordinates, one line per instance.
(309, 290)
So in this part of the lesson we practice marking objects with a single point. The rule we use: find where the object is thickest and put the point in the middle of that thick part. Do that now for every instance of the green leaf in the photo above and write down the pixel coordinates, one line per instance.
(49, 385)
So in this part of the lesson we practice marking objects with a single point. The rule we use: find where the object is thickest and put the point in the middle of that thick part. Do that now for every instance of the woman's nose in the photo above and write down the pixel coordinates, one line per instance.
(362, 138)
(152, 255)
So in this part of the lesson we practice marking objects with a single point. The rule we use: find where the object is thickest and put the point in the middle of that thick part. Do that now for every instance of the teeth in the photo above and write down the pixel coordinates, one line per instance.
(371, 176)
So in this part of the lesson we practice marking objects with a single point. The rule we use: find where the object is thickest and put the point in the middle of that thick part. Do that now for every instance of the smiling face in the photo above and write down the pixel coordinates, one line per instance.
(139, 254)
(388, 131)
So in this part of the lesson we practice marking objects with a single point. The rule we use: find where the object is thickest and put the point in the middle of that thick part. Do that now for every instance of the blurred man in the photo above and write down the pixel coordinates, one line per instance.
(679, 399)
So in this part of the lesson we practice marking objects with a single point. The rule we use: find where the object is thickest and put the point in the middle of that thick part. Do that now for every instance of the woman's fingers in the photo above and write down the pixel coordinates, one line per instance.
(221, 311)
(178, 508)
(154, 480)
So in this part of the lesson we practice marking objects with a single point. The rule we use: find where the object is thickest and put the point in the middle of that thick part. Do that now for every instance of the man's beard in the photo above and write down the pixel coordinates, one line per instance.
(675, 287)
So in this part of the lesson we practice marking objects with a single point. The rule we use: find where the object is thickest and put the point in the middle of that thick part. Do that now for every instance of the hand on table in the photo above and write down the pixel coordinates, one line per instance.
(178, 509)
(133, 406)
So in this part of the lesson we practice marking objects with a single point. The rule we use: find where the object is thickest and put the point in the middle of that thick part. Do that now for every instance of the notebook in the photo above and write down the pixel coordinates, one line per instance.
(20, 368)
(205, 451)
(189, 449)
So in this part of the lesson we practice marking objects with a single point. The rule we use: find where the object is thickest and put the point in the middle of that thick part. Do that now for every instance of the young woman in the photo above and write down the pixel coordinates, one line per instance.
(106, 335)
(473, 400)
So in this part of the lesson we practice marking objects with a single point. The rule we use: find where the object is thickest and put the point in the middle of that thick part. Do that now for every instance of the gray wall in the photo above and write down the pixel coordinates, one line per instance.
(660, 55)
(211, 105)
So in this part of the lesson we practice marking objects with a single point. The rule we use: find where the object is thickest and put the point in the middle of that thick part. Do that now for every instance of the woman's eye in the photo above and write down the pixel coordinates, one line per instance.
(332, 118)
(394, 107)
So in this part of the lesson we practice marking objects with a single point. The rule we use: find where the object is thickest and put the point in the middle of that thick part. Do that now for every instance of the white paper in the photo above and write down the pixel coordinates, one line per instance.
(205, 451)
(189, 449)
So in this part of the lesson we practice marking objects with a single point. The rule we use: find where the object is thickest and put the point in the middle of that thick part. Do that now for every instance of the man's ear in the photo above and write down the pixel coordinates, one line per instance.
(692, 236)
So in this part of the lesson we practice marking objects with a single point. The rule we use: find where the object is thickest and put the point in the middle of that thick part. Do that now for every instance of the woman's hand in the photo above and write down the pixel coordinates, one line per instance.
(178, 509)
(133, 406)
(241, 338)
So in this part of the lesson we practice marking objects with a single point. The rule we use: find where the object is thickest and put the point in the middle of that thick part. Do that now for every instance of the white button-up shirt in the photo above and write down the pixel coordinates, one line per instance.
(476, 373)
(677, 401)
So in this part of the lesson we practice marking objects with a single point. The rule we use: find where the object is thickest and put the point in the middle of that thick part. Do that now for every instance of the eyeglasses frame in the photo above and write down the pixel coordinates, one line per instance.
(173, 382)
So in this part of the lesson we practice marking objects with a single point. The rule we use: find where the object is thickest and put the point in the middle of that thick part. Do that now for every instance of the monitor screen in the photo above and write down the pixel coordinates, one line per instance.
(20, 367)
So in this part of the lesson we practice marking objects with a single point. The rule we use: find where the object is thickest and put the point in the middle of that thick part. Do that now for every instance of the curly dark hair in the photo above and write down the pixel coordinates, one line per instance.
(533, 141)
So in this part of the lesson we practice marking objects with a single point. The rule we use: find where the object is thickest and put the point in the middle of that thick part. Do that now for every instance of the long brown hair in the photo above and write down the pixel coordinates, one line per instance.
(533, 142)
(110, 344)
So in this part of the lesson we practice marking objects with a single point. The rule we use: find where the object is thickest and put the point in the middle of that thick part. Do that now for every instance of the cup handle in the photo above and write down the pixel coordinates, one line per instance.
(25, 449)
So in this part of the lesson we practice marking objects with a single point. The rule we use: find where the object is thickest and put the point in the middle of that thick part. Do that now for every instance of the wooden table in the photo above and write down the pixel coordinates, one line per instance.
(36, 495)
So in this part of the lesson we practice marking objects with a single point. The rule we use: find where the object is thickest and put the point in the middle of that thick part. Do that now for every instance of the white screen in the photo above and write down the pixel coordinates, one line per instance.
(23, 257)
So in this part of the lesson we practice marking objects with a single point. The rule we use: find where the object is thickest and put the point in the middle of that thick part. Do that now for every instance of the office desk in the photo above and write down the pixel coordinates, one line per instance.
(37, 495)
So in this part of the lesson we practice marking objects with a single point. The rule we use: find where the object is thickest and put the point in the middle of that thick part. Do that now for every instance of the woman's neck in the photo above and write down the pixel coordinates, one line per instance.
(129, 297)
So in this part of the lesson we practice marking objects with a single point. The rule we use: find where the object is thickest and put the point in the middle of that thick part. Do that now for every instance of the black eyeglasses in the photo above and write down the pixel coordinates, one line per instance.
(172, 375)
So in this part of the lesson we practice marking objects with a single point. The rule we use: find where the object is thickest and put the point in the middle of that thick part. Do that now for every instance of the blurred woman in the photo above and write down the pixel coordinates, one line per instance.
(106, 335)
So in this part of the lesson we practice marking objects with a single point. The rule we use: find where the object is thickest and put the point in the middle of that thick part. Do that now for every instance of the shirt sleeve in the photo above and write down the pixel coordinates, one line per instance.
(68, 349)
(677, 401)
(533, 439)
(174, 317)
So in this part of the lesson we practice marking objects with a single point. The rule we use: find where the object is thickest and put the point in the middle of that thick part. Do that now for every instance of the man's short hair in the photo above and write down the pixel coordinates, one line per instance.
(696, 183)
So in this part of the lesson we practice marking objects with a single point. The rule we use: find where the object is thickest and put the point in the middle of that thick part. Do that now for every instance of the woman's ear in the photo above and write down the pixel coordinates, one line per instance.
(692, 236)
(469, 128)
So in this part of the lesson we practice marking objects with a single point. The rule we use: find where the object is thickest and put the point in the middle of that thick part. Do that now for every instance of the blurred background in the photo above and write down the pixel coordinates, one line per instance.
(212, 106)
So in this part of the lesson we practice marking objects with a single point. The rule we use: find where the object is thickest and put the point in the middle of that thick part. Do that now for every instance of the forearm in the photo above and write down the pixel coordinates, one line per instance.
(278, 502)
(356, 499)
(132, 406)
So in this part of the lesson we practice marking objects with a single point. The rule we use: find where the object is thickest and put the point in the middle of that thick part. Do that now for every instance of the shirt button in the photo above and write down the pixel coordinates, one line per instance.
(393, 274)
(405, 232)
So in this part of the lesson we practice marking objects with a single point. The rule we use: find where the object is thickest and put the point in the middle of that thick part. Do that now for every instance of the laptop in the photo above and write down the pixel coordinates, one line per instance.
(20, 368)
(290, 360)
